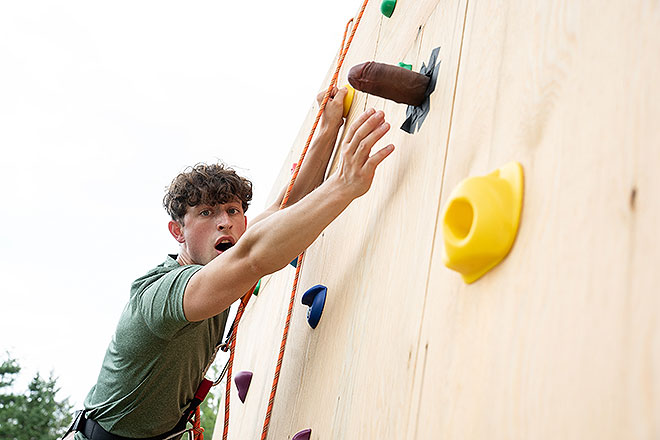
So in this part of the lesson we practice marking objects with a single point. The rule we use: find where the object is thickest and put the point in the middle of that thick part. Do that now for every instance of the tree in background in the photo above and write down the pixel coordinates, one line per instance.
(208, 409)
(35, 415)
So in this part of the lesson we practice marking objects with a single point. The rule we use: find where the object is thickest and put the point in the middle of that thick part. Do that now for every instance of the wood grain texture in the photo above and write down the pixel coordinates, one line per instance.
(352, 376)
(561, 339)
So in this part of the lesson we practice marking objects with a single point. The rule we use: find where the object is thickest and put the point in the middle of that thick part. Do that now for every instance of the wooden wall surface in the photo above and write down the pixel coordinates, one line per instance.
(561, 340)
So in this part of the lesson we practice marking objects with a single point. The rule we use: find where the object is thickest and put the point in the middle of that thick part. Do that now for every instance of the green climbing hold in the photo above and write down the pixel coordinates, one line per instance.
(387, 7)
(405, 66)
(256, 288)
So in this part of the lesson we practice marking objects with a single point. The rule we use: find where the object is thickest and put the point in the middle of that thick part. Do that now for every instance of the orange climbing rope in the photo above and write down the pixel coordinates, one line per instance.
(198, 431)
(241, 308)
(230, 362)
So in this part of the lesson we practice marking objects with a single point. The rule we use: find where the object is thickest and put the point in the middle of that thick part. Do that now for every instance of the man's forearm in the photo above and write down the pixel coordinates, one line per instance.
(315, 165)
(272, 243)
(278, 239)
(265, 248)
(311, 172)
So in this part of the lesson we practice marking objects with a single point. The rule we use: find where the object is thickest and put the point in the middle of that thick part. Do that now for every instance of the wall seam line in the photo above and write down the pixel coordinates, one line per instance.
(435, 231)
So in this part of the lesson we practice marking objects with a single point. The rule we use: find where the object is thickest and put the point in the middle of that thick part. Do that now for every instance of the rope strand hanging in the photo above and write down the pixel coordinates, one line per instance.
(345, 45)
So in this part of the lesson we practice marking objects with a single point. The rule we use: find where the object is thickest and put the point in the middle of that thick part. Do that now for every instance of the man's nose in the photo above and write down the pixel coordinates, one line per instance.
(223, 222)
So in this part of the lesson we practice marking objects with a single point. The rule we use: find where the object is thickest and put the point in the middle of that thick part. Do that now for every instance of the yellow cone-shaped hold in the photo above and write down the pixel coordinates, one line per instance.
(348, 99)
(480, 221)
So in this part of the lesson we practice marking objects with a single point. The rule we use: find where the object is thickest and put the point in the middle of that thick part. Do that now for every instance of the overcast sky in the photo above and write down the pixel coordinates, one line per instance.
(101, 104)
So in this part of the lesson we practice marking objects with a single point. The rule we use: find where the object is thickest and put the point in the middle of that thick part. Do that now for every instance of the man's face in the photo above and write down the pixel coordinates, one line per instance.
(209, 231)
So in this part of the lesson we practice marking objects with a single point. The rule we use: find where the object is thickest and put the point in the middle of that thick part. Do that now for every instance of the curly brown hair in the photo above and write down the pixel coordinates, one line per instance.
(205, 184)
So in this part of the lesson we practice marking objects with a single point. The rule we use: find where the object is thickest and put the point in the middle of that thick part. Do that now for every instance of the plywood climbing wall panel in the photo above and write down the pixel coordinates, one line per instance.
(562, 339)
(558, 341)
(352, 376)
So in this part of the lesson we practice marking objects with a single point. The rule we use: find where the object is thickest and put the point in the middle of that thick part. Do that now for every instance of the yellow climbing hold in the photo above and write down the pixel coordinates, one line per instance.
(480, 221)
(348, 99)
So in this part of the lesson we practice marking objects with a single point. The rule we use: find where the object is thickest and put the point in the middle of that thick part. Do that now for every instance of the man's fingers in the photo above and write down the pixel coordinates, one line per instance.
(336, 101)
(364, 130)
(378, 157)
(339, 96)
(356, 124)
(321, 95)
(366, 144)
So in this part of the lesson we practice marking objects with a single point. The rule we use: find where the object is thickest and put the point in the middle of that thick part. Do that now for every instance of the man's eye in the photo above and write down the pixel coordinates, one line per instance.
(233, 211)
(205, 213)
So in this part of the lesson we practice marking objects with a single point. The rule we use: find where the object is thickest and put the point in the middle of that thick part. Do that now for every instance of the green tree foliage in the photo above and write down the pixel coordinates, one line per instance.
(34, 415)
(209, 407)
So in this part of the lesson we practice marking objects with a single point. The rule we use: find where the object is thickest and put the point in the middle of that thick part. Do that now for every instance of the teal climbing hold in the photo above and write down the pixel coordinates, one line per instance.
(387, 7)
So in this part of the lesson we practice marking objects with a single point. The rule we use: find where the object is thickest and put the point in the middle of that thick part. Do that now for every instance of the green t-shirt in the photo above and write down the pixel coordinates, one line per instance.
(155, 360)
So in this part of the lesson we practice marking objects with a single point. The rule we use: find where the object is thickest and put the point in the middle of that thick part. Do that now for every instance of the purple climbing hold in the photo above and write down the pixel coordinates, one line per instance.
(303, 435)
(242, 381)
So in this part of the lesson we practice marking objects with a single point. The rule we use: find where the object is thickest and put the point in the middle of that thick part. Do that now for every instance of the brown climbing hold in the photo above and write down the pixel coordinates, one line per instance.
(390, 82)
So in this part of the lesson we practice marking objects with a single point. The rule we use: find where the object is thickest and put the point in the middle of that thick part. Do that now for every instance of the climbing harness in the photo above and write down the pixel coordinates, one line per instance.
(94, 431)
(345, 45)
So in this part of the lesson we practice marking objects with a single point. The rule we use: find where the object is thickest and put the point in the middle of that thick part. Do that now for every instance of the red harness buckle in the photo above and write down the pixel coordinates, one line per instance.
(203, 389)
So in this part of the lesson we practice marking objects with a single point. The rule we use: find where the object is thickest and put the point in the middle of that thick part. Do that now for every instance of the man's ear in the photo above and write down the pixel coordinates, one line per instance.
(176, 230)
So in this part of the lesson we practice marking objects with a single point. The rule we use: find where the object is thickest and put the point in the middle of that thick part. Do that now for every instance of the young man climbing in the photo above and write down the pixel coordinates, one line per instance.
(177, 312)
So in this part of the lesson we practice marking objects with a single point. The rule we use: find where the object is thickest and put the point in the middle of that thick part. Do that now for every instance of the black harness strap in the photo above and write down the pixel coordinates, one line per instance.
(93, 431)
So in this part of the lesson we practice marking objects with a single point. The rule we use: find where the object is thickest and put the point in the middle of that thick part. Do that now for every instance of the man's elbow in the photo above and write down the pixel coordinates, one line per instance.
(260, 264)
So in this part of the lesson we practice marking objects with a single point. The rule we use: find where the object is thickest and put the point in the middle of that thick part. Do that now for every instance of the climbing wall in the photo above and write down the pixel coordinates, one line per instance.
(561, 339)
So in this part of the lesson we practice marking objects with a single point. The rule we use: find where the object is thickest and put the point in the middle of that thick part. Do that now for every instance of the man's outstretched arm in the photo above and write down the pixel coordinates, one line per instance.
(276, 240)
(318, 155)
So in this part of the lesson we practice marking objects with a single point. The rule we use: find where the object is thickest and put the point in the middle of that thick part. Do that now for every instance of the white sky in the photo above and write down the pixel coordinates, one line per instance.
(101, 104)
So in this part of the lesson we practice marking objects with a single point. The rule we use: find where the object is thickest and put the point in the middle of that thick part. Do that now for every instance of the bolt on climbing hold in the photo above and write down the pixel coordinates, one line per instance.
(405, 66)
(315, 299)
(480, 221)
(242, 381)
(387, 7)
(294, 263)
(348, 99)
(255, 292)
(303, 435)
(390, 82)
(416, 114)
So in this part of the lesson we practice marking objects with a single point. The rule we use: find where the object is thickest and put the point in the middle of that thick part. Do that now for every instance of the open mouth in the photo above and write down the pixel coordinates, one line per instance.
(224, 245)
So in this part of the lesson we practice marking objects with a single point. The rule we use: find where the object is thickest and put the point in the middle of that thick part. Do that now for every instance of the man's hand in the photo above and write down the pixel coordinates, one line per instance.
(332, 117)
(313, 168)
(272, 243)
(357, 169)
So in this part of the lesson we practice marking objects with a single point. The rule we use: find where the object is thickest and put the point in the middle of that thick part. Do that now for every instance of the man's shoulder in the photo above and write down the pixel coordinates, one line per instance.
(170, 267)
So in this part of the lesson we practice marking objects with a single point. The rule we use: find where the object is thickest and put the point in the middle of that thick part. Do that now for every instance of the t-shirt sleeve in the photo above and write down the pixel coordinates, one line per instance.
(161, 304)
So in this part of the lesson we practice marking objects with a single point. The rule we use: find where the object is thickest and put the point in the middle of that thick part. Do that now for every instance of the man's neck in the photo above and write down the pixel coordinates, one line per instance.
(183, 260)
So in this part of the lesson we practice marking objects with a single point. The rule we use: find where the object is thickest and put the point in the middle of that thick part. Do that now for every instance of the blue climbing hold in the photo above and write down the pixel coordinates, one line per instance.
(294, 263)
(315, 299)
